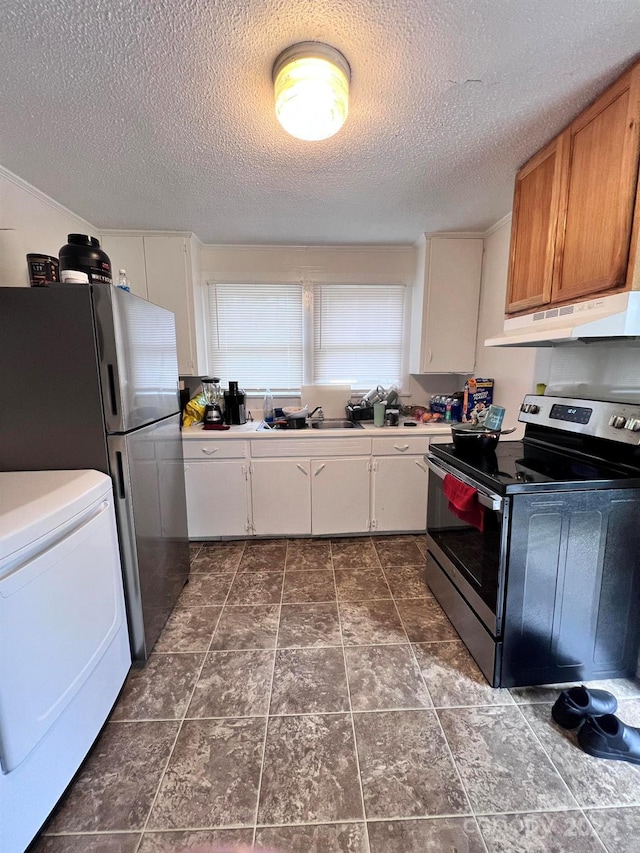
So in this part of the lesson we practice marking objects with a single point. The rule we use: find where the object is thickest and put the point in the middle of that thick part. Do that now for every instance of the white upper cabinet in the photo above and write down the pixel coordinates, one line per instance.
(444, 318)
(164, 268)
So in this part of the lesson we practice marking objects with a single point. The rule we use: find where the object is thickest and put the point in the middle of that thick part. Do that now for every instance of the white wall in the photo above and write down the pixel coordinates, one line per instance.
(515, 370)
(37, 223)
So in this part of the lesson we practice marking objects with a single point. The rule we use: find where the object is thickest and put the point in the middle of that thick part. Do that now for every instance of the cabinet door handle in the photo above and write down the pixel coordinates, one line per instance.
(318, 469)
(401, 447)
(302, 468)
(209, 450)
(430, 359)
(421, 465)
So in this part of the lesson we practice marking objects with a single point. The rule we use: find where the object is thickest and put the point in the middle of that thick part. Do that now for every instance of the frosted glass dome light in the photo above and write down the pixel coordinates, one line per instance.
(311, 82)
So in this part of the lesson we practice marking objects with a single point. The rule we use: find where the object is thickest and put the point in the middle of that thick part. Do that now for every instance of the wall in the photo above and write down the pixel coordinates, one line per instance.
(36, 223)
(515, 370)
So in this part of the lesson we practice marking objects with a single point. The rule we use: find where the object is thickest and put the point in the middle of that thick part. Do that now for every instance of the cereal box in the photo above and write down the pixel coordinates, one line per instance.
(478, 396)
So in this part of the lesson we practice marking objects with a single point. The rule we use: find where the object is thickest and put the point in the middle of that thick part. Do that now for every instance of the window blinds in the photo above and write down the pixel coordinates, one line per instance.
(255, 335)
(358, 334)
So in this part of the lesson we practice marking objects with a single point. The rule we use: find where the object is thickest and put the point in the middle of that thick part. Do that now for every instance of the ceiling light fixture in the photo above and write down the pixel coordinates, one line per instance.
(311, 82)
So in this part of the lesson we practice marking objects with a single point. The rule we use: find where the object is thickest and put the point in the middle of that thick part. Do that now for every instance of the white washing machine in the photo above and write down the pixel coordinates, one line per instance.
(64, 645)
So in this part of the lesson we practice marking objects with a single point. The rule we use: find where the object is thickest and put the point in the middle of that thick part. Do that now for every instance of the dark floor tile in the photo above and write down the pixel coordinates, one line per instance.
(539, 832)
(194, 550)
(265, 556)
(218, 557)
(319, 838)
(424, 620)
(115, 787)
(421, 542)
(198, 841)
(406, 767)
(398, 551)
(437, 835)
(361, 584)
(310, 772)
(501, 762)
(188, 629)
(407, 581)
(370, 622)
(594, 782)
(301, 587)
(248, 627)
(160, 690)
(205, 589)
(309, 681)
(256, 588)
(384, 677)
(619, 828)
(622, 688)
(309, 625)
(453, 678)
(233, 684)
(353, 553)
(308, 554)
(212, 777)
(125, 842)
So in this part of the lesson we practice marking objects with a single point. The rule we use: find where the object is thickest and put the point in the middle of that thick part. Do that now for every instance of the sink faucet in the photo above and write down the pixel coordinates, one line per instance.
(320, 416)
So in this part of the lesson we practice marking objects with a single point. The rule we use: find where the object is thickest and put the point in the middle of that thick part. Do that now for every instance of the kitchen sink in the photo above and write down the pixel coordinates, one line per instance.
(335, 423)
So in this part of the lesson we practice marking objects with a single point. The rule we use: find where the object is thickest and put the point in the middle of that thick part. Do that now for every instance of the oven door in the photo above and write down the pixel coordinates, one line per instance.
(473, 559)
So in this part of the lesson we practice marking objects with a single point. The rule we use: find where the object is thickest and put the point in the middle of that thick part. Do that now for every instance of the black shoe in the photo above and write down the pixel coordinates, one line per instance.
(573, 706)
(609, 737)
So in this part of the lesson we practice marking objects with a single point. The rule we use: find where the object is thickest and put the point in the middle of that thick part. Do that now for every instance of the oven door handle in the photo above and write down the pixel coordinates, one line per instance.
(487, 499)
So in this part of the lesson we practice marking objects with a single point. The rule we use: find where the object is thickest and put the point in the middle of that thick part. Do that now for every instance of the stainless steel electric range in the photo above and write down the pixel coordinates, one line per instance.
(539, 571)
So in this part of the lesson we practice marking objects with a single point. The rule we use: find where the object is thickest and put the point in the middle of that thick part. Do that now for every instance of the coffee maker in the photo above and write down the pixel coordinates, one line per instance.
(212, 411)
(234, 406)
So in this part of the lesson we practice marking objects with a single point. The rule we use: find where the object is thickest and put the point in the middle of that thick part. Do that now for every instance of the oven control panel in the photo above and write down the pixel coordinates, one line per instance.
(614, 421)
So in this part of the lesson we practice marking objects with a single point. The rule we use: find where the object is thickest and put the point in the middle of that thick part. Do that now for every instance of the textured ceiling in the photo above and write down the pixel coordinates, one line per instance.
(159, 113)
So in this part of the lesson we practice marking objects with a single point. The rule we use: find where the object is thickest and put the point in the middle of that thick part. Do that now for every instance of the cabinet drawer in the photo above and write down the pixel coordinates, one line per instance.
(311, 448)
(214, 449)
(400, 446)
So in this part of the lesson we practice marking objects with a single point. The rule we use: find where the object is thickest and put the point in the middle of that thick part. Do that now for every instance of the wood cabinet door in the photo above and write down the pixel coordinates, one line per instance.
(339, 496)
(598, 187)
(536, 203)
(281, 497)
(217, 499)
(399, 494)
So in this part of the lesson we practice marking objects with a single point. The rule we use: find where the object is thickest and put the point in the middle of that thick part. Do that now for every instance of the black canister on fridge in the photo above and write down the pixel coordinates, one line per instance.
(83, 254)
(234, 405)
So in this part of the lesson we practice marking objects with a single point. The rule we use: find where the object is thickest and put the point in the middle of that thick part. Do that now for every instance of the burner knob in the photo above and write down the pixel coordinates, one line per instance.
(534, 409)
(617, 421)
(633, 424)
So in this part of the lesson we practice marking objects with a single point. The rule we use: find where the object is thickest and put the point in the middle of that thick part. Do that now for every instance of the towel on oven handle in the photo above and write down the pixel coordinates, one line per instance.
(463, 502)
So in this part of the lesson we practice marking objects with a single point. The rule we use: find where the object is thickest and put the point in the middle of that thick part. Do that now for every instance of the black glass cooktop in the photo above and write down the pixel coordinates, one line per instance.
(520, 466)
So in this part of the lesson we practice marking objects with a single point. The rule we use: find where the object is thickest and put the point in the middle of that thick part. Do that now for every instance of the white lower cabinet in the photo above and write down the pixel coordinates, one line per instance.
(217, 498)
(340, 496)
(399, 494)
(281, 497)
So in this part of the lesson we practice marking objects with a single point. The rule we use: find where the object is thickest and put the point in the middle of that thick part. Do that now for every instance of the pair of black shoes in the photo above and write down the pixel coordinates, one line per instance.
(602, 734)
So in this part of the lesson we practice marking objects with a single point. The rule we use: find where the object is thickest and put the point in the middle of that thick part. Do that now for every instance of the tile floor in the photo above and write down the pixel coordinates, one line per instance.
(310, 696)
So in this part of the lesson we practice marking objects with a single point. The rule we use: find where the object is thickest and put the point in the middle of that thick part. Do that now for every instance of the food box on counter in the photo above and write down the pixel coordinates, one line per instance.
(478, 396)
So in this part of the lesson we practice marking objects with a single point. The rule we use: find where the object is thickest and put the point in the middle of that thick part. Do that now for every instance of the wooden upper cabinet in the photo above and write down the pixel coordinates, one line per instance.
(533, 231)
(598, 190)
(573, 207)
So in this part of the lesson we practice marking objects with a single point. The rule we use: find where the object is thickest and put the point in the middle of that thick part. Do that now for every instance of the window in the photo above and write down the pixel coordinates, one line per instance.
(281, 336)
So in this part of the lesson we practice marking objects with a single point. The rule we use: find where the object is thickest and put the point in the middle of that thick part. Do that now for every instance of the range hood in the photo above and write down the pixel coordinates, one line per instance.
(616, 316)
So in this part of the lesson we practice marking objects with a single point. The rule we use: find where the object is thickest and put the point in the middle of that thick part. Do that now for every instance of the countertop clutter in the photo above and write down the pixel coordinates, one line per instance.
(255, 430)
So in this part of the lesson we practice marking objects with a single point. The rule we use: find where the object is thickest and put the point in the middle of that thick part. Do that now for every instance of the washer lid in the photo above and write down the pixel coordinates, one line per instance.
(33, 503)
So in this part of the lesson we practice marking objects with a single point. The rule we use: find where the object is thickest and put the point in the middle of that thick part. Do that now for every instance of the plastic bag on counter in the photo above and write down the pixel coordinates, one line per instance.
(194, 410)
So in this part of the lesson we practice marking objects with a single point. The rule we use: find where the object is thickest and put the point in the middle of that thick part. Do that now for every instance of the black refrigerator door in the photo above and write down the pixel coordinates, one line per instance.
(51, 415)
(148, 473)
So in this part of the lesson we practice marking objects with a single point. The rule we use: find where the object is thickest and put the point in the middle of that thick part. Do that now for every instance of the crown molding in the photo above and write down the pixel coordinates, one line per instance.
(46, 199)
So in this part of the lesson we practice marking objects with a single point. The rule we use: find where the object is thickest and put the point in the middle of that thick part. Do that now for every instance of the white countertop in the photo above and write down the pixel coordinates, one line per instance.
(251, 429)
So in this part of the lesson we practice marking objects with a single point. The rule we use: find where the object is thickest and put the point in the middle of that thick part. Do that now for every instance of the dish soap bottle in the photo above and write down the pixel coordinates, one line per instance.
(267, 408)
(123, 281)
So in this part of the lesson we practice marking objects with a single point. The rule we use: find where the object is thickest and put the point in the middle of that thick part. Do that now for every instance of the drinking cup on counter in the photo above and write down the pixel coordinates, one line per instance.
(379, 410)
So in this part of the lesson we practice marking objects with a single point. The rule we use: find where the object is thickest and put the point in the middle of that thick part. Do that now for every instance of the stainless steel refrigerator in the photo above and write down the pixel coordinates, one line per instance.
(89, 379)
